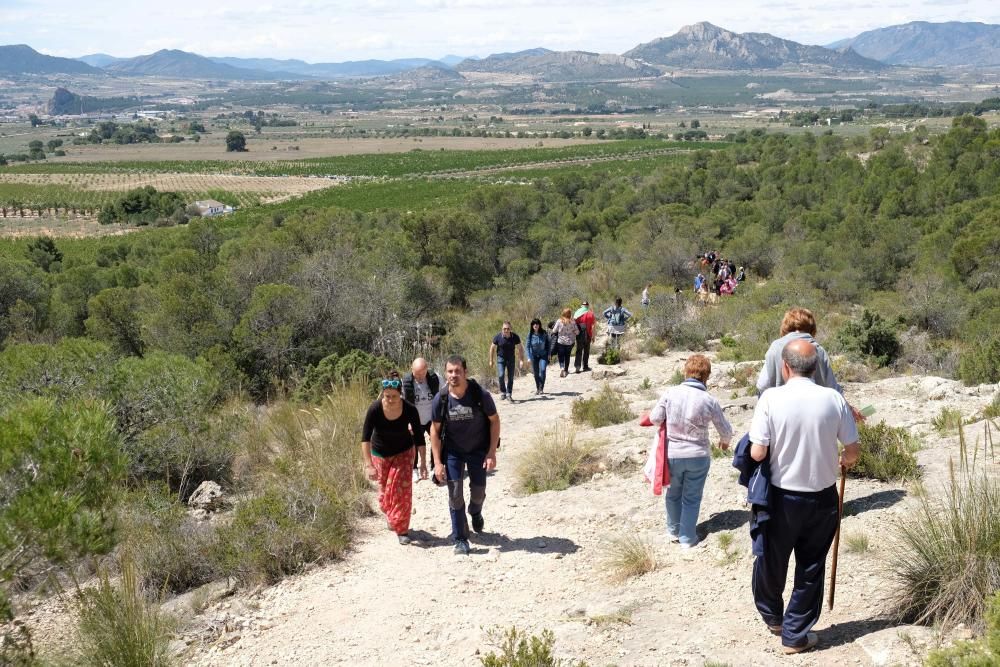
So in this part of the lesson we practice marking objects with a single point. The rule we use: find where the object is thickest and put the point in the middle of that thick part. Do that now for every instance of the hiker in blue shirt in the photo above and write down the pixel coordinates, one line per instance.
(616, 317)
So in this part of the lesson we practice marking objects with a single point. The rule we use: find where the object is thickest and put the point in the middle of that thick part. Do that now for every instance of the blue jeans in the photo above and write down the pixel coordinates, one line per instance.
(683, 497)
(506, 367)
(456, 464)
(538, 366)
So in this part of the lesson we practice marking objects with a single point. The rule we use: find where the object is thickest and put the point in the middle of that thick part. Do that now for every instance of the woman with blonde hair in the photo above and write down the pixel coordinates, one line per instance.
(565, 331)
(391, 432)
(688, 409)
(797, 324)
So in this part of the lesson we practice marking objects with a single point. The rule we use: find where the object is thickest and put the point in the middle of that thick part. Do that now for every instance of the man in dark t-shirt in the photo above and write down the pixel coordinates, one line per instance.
(464, 437)
(505, 346)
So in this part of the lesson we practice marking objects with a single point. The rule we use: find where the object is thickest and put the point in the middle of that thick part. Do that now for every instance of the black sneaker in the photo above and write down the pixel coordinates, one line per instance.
(478, 522)
(462, 547)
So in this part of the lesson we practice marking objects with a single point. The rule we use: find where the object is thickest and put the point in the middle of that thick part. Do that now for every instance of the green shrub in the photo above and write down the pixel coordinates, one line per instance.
(871, 336)
(992, 411)
(627, 557)
(518, 649)
(980, 363)
(61, 469)
(610, 356)
(339, 370)
(118, 626)
(676, 378)
(171, 551)
(555, 462)
(307, 489)
(946, 560)
(949, 419)
(982, 653)
(608, 407)
(887, 453)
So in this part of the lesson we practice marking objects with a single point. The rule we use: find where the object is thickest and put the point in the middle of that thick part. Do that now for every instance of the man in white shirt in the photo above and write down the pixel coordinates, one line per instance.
(420, 386)
(797, 426)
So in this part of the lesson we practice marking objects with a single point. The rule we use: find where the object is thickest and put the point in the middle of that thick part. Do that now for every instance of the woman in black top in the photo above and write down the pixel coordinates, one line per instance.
(391, 431)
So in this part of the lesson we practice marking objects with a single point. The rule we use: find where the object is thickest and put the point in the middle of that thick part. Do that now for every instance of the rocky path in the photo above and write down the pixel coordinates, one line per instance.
(539, 564)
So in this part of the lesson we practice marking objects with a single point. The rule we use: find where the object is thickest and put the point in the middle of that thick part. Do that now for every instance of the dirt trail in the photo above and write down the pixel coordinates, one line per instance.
(539, 564)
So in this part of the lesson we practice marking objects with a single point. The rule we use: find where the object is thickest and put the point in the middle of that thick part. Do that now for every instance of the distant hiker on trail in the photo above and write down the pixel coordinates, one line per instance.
(538, 347)
(616, 317)
(741, 275)
(796, 427)
(688, 409)
(505, 346)
(699, 282)
(391, 431)
(798, 324)
(565, 331)
(465, 433)
(728, 287)
(420, 386)
(585, 319)
(645, 295)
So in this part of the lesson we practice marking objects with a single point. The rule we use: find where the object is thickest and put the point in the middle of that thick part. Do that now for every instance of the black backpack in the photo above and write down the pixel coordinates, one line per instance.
(476, 393)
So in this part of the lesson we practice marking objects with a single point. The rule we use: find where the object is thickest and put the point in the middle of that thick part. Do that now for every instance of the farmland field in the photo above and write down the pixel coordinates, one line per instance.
(414, 162)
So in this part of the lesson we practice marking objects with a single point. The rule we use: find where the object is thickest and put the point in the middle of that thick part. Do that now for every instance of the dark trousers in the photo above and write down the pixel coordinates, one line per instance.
(458, 464)
(803, 523)
(582, 352)
(506, 367)
(564, 352)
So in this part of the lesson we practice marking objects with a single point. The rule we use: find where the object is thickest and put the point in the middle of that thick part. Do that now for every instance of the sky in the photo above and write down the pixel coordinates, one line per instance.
(339, 30)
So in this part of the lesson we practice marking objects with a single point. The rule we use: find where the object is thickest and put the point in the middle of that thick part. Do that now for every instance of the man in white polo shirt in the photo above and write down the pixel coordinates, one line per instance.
(797, 426)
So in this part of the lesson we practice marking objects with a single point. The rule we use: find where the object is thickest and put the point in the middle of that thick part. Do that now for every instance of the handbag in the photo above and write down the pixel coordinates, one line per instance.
(657, 468)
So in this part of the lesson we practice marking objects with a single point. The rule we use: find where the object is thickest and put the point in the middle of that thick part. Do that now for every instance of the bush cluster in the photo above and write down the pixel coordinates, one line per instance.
(555, 462)
(607, 407)
(887, 453)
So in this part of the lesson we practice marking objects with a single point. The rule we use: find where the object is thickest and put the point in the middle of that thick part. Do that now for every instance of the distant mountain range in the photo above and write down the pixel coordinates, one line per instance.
(22, 59)
(706, 46)
(560, 65)
(698, 46)
(925, 44)
(184, 65)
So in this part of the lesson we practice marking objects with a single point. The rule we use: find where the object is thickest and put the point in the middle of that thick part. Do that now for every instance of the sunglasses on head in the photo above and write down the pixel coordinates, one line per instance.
(391, 384)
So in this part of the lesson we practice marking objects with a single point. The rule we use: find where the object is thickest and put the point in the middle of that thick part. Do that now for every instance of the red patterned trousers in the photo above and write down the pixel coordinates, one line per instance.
(395, 489)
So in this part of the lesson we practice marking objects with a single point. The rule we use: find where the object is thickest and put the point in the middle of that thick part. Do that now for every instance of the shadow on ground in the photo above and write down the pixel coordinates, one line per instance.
(725, 520)
(552, 545)
(839, 634)
(875, 501)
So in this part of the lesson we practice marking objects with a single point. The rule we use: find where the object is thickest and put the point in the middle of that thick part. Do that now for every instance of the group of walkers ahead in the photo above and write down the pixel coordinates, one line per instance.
(789, 462)
(571, 330)
(725, 275)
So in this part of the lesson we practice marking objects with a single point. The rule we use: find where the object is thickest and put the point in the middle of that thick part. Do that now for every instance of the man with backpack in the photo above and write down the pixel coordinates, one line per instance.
(616, 317)
(465, 433)
(420, 386)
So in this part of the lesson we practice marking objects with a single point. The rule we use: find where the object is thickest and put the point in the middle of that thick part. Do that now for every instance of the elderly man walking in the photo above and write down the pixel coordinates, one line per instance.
(420, 386)
(797, 426)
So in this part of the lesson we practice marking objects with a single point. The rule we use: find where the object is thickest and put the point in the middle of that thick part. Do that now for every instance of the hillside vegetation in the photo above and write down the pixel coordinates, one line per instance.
(167, 332)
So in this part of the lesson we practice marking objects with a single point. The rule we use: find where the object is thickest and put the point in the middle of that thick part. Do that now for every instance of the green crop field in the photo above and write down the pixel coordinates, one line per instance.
(416, 162)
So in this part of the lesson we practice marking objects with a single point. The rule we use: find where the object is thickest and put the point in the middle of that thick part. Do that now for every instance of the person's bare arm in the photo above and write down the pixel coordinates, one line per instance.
(366, 454)
(439, 469)
(493, 353)
(850, 454)
(491, 457)
(758, 452)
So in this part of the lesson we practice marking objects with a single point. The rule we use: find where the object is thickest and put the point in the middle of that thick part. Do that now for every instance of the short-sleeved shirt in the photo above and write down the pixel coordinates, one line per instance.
(801, 422)
(468, 426)
(391, 436)
(506, 347)
(423, 397)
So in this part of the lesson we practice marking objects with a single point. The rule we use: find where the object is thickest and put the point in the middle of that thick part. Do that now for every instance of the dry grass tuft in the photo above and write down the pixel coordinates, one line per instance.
(629, 556)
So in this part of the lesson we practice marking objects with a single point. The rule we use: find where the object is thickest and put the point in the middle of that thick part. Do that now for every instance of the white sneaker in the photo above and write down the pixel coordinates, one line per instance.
(693, 545)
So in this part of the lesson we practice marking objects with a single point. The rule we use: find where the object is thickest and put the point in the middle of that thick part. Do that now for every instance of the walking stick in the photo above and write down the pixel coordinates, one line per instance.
(836, 537)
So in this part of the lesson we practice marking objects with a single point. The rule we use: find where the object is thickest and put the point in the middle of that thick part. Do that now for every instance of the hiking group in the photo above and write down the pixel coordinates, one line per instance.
(789, 461)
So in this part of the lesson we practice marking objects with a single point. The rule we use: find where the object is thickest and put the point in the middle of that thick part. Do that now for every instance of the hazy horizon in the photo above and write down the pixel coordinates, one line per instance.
(324, 31)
